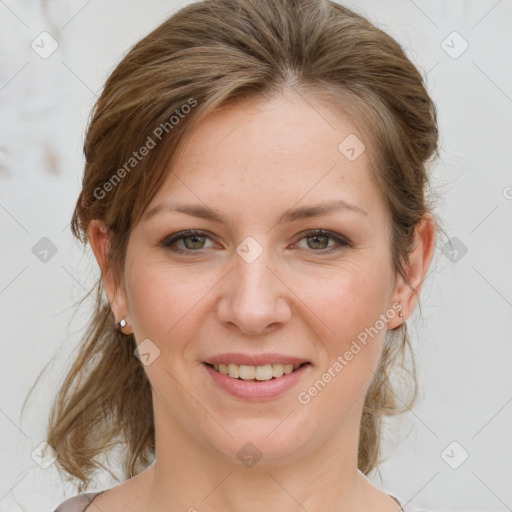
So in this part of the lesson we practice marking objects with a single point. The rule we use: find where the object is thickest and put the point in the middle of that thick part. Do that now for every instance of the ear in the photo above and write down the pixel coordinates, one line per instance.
(99, 239)
(416, 270)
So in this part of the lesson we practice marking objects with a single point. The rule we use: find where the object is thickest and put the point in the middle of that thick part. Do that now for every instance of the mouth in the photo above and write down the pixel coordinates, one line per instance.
(256, 382)
(251, 373)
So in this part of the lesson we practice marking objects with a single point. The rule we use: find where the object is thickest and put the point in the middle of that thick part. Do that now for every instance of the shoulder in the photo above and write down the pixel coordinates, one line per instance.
(406, 507)
(77, 503)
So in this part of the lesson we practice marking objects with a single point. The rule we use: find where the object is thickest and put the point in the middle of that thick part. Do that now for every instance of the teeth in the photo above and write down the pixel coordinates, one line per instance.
(277, 370)
(287, 368)
(263, 372)
(247, 372)
(233, 370)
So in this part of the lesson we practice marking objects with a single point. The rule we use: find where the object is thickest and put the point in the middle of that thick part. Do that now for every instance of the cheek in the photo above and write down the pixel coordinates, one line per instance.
(353, 346)
(155, 302)
(147, 296)
(345, 300)
(347, 309)
(167, 304)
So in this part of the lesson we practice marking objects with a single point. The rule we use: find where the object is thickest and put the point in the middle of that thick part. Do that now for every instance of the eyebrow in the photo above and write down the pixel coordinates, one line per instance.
(290, 215)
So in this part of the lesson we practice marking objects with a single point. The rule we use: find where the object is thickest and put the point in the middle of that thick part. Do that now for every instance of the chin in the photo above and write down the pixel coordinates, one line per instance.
(269, 443)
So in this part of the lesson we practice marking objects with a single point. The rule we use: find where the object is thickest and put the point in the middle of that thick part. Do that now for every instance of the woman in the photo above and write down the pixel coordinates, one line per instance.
(255, 197)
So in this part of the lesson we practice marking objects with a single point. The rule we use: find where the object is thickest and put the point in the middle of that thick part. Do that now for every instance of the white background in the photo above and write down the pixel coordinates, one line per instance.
(463, 342)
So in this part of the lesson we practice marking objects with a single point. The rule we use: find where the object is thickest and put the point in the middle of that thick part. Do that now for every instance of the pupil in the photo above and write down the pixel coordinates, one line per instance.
(195, 237)
(316, 237)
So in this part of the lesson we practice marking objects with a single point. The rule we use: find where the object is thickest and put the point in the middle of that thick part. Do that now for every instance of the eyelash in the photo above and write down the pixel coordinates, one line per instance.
(168, 242)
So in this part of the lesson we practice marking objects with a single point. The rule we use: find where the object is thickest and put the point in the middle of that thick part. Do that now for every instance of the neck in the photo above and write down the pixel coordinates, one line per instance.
(188, 476)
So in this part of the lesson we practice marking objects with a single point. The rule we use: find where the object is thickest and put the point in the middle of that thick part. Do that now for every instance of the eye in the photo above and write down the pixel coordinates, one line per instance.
(320, 240)
(192, 240)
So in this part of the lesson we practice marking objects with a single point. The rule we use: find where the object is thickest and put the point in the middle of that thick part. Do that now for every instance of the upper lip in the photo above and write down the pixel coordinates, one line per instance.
(254, 359)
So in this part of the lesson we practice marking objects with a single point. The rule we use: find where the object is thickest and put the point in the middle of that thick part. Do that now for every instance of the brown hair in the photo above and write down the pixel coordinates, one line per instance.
(205, 56)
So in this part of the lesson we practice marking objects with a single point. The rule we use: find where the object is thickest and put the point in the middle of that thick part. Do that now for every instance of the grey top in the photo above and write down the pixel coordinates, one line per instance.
(77, 503)
(81, 502)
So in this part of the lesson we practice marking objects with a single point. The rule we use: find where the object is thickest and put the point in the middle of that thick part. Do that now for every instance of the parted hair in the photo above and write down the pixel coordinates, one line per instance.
(205, 56)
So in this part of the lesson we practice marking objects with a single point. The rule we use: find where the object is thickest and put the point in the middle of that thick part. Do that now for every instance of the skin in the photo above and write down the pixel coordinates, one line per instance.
(252, 161)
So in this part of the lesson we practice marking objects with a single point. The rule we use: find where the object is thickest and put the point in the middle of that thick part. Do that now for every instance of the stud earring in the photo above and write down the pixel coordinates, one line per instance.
(403, 324)
(121, 325)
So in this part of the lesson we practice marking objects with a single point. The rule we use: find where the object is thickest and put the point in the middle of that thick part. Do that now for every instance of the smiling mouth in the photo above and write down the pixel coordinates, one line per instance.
(255, 373)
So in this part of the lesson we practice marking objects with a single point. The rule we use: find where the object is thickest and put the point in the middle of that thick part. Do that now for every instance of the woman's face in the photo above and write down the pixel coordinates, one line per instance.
(257, 284)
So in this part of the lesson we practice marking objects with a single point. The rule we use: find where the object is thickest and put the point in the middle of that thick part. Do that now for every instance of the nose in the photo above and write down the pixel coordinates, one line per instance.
(254, 299)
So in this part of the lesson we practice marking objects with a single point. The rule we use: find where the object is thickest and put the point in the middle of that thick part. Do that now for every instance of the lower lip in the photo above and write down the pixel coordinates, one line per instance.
(257, 390)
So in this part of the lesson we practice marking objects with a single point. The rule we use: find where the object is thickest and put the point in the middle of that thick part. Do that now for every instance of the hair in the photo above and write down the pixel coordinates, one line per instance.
(208, 55)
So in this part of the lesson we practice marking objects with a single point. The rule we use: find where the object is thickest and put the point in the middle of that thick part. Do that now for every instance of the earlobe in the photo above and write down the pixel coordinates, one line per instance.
(407, 293)
(122, 325)
(99, 239)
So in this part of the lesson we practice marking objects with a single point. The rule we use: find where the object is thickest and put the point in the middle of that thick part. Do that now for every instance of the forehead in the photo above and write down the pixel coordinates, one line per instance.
(276, 152)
